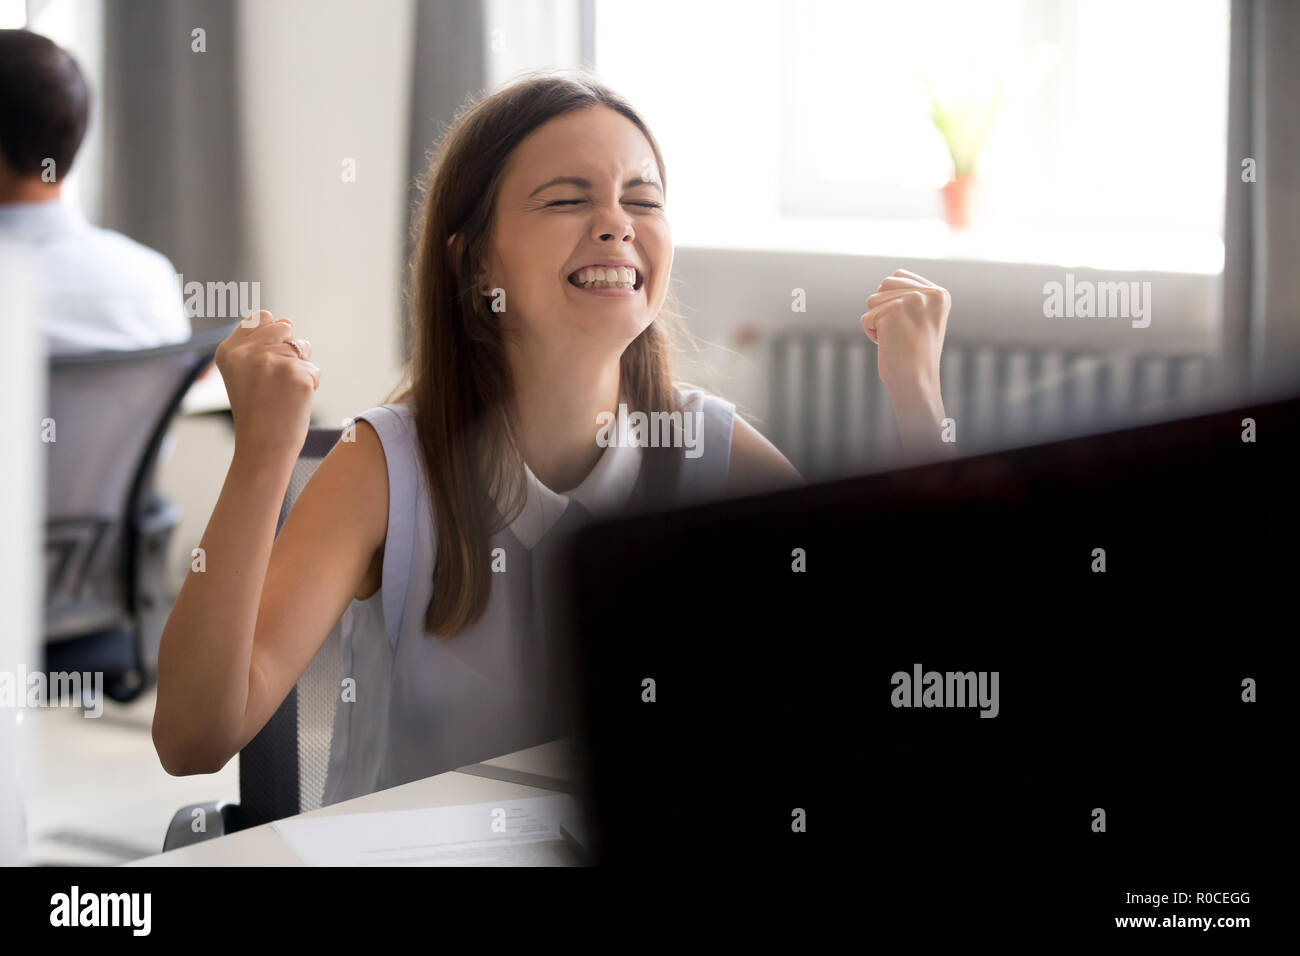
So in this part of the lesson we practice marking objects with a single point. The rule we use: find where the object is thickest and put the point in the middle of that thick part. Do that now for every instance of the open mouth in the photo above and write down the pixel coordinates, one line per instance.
(607, 277)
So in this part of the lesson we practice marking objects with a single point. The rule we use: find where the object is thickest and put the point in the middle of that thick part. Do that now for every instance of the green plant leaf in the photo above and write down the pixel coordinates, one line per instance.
(965, 125)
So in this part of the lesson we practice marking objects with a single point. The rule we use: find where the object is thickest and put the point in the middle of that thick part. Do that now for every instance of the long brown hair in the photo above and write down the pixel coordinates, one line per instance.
(458, 380)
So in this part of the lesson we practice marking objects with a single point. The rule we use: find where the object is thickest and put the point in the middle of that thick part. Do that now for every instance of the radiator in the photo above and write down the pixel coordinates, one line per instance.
(828, 411)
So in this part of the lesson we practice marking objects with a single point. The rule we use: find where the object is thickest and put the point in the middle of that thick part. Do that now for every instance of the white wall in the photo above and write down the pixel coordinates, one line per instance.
(325, 80)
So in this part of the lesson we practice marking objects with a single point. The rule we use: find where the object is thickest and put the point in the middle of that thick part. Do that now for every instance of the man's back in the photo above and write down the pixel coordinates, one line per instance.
(97, 289)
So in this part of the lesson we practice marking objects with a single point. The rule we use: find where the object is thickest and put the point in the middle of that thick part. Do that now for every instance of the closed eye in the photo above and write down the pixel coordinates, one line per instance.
(574, 202)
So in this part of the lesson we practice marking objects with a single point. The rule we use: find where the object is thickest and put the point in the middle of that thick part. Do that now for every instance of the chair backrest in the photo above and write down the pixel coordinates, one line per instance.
(282, 770)
(108, 414)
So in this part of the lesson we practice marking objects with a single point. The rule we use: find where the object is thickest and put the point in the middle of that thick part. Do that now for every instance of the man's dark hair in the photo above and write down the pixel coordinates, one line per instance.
(44, 104)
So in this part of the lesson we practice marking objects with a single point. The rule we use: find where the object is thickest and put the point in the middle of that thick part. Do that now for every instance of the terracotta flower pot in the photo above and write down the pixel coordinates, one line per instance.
(957, 200)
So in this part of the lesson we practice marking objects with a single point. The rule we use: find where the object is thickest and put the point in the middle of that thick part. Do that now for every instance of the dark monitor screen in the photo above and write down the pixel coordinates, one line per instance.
(946, 671)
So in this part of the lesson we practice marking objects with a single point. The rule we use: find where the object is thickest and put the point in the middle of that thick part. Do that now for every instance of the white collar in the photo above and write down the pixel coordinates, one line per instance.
(43, 218)
(606, 488)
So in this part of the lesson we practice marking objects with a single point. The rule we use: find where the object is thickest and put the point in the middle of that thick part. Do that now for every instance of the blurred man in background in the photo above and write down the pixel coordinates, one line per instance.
(98, 289)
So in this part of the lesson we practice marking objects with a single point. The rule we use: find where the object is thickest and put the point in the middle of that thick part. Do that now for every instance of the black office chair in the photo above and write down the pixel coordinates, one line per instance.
(281, 770)
(107, 530)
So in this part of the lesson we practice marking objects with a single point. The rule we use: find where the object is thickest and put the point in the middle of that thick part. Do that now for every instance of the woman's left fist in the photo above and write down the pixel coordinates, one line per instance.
(907, 317)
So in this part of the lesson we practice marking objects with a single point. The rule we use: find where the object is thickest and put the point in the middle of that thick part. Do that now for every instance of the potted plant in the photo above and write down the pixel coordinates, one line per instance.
(965, 125)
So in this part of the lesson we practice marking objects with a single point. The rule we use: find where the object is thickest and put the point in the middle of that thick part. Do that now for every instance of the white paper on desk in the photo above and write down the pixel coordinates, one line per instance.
(437, 836)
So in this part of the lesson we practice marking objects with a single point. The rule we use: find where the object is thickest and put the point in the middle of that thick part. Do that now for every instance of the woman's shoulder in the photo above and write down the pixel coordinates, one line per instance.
(403, 410)
(394, 423)
(693, 398)
(707, 424)
(385, 436)
(750, 462)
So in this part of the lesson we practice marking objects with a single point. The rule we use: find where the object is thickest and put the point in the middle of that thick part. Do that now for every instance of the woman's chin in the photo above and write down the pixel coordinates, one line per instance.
(617, 326)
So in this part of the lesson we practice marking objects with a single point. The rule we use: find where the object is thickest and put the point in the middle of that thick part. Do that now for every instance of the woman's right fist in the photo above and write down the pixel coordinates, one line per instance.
(270, 381)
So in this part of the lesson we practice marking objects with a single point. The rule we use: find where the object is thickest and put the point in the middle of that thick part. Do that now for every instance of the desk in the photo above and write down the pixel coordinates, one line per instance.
(552, 762)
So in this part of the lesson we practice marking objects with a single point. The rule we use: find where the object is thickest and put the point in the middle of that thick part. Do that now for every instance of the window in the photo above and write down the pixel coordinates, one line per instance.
(798, 122)
(13, 14)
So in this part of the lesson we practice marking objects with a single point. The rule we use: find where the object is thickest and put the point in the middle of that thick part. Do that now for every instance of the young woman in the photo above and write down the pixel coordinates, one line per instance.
(425, 538)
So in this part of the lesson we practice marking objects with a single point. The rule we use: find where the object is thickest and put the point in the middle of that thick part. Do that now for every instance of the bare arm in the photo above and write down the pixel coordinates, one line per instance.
(246, 626)
(907, 317)
(337, 526)
(757, 465)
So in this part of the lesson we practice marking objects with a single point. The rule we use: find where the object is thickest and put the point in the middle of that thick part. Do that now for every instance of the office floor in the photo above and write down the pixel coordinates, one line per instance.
(94, 791)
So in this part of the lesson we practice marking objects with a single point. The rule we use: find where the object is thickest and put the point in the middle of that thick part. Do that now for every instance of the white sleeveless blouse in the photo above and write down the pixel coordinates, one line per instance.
(425, 704)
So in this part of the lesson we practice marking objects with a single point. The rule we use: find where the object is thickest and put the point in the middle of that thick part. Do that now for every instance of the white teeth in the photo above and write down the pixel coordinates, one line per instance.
(606, 274)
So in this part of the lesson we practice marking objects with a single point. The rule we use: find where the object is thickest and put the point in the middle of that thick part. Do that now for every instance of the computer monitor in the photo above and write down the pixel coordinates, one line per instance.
(945, 672)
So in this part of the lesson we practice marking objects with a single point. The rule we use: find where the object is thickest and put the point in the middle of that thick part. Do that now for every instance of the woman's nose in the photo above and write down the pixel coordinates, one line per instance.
(613, 224)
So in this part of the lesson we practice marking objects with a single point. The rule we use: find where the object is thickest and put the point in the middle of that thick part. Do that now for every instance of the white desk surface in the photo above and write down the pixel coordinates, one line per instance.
(263, 846)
